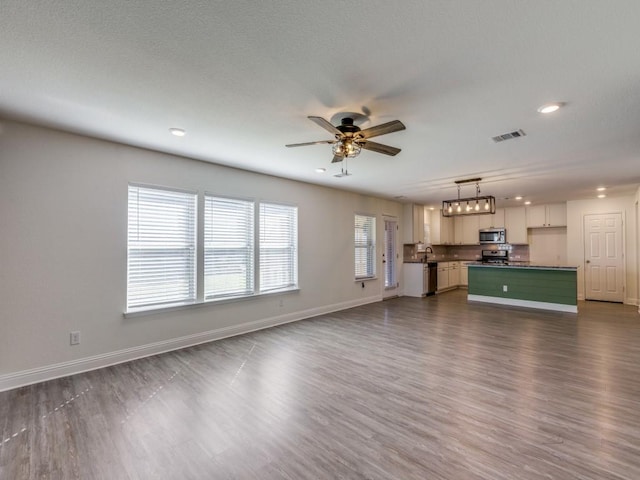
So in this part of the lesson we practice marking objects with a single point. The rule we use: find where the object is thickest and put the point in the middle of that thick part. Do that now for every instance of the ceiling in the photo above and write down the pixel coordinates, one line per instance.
(242, 76)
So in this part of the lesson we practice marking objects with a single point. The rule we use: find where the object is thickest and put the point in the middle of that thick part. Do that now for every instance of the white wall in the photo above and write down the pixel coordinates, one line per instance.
(63, 222)
(576, 210)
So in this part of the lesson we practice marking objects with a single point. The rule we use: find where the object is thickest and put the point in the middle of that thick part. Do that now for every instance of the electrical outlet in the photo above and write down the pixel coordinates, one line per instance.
(74, 338)
(505, 288)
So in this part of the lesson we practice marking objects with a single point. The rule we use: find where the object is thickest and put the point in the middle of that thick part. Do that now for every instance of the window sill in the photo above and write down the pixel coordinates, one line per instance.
(217, 301)
(366, 279)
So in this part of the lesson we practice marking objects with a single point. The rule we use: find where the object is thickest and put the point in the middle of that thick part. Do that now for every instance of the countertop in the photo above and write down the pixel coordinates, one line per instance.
(523, 265)
(442, 259)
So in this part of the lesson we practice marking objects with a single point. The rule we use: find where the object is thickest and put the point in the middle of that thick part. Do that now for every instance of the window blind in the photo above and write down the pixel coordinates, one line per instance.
(228, 247)
(278, 247)
(365, 228)
(390, 254)
(161, 254)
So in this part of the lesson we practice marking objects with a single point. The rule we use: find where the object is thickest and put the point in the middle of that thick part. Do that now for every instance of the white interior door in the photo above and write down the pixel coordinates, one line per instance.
(603, 257)
(390, 257)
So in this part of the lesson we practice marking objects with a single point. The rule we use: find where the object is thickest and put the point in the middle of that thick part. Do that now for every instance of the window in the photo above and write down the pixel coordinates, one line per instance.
(278, 247)
(365, 243)
(228, 247)
(161, 254)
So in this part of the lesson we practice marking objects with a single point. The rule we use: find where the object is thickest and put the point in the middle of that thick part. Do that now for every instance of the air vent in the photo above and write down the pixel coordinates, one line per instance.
(508, 136)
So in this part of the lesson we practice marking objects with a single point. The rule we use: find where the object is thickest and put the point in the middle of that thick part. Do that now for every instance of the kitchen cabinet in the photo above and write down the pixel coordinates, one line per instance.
(464, 274)
(442, 229)
(552, 215)
(457, 230)
(465, 230)
(494, 220)
(413, 216)
(454, 274)
(470, 227)
(515, 223)
(443, 276)
(448, 275)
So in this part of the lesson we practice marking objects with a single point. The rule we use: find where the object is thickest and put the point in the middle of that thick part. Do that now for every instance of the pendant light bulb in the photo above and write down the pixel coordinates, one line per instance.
(459, 209)
(450, 208)
(477, 208)
(486, 204)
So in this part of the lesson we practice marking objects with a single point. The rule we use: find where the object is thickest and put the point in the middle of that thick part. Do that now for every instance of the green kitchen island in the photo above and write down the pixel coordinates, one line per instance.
(524, 285)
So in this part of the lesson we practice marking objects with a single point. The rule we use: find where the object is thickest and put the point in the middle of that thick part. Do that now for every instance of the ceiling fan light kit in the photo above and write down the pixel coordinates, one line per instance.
(350, 139)
(478, 205)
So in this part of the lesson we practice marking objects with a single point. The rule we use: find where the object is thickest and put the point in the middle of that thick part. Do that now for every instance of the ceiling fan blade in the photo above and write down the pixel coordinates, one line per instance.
(337, 158)
(310, 143)
(389, 127)
(325, 124)
(379, 148)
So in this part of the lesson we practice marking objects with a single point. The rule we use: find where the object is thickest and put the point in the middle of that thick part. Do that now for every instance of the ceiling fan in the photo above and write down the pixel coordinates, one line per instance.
(350, 139)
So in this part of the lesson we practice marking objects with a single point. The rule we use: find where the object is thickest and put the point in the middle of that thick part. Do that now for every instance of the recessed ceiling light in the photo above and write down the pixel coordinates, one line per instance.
(601, 189)
(549, 107)
(527, 202)
(518, 197)
(432, 208)
(178, 132)
(602, 195)
(321, 170)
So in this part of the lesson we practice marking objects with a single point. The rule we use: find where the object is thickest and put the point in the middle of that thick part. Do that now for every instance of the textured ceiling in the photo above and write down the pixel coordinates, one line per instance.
(242, 76)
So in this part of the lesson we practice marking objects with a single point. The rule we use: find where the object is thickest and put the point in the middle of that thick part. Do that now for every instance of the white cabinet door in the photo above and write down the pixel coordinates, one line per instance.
(413, 217)
(464, 274)
(536, 216)
(458, 230)
(516, 225)
(494, 220)
(436, 219)
(552, 215)
(557, 215)
(443, 275)
(446, 230)
(454, 274)
(470, 227)
(441, 229)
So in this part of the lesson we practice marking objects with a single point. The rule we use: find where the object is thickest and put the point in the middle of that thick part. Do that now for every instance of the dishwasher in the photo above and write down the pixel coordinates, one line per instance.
(431, 278)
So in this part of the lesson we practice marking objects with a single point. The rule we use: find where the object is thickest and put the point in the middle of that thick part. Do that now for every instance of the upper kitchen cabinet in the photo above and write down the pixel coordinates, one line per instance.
(413, 223)
(494, 220)
(442, 229)
(515, 222)
(465, 230)
(552, 215)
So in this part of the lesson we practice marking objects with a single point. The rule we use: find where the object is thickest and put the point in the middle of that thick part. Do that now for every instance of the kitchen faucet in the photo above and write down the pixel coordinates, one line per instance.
(428, 250)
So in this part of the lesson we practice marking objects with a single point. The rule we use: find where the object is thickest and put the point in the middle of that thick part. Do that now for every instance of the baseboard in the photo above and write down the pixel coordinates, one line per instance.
(631, 301)
(514, 302)
(73, 367)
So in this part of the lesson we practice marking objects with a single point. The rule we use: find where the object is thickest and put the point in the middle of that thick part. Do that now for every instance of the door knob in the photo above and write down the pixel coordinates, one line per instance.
(588, 261)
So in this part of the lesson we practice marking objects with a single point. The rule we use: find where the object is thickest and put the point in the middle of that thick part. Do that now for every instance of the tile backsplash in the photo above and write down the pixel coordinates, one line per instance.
(465, 252)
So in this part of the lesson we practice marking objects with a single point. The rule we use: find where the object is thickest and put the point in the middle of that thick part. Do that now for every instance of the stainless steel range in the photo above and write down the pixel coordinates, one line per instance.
(499, 257)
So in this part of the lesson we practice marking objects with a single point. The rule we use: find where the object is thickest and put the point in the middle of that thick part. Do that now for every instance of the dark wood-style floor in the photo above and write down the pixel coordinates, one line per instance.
(404, 389)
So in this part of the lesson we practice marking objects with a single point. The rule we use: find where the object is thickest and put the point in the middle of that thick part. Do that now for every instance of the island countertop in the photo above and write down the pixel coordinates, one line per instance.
(523, 265)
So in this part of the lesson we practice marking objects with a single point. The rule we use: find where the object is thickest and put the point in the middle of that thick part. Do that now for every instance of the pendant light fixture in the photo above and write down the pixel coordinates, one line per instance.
(477, 205)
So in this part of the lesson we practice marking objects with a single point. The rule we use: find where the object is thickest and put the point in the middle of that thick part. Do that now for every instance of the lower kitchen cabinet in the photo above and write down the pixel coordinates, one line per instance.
(464, 274)
(443, 276)
(448, 275)
(454, 274)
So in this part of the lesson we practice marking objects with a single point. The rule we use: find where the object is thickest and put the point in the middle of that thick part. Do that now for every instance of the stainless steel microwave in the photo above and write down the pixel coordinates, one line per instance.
(493, 235)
